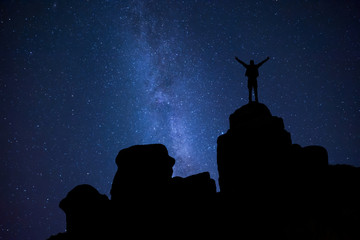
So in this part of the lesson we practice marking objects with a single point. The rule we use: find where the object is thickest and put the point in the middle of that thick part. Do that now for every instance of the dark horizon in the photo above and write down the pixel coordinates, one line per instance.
(80, 81)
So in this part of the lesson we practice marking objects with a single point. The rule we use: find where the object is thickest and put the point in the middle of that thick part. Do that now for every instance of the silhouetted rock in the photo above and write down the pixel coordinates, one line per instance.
(193, 194)
(255, 144)
(145, 196)
(194, 186)
(269, 188)
(193, 209)
(291, 190)
(86, 211)
(344, 183)
(142, 170)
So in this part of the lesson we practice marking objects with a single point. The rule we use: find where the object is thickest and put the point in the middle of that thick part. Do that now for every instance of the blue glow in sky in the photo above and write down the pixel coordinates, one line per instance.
(80, 80)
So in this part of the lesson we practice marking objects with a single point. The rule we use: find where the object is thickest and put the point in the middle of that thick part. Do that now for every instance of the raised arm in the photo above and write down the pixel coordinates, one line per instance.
(261, 63)
(242, 63)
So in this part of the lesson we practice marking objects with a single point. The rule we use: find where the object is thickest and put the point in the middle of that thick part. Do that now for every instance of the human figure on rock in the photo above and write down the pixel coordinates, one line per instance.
(252, 73)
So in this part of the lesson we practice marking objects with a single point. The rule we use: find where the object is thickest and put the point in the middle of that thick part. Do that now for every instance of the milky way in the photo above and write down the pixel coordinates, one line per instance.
(80, 80)
(163, 74)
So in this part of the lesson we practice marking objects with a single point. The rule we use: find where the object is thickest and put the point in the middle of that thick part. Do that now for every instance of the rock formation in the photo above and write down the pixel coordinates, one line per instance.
(269, 188)
(142, 170)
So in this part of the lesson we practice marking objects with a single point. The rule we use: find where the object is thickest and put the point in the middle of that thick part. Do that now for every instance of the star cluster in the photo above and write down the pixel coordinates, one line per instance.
(80, 80)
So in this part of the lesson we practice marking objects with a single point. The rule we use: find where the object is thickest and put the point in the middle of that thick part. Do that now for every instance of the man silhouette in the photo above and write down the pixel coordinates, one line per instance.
(252, 73)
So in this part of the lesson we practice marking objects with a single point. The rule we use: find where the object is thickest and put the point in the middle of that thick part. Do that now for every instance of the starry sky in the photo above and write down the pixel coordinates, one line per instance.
(80, 80)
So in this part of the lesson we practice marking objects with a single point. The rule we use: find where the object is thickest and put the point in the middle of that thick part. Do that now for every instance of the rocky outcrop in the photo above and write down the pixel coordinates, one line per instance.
(86, 211)
(146, 201)
(269, 188)
(256, 157)
(255, 142)
(142, 170)
(281, 189)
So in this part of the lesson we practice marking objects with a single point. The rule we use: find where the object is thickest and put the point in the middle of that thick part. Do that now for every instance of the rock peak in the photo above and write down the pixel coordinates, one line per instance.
(250, 112)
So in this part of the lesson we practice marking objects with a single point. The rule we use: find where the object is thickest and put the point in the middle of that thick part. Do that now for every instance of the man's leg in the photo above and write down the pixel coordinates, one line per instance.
(256, 94)
(255, 90)
(250, 93)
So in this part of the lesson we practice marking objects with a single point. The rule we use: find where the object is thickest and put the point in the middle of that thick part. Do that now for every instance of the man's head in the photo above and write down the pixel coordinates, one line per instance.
(251, 62)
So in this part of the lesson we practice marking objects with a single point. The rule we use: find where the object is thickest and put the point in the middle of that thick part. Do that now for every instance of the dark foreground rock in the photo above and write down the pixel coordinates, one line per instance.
(269, 188)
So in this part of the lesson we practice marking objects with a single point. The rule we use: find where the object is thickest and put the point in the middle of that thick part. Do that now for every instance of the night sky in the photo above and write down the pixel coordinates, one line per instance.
(80, 80)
